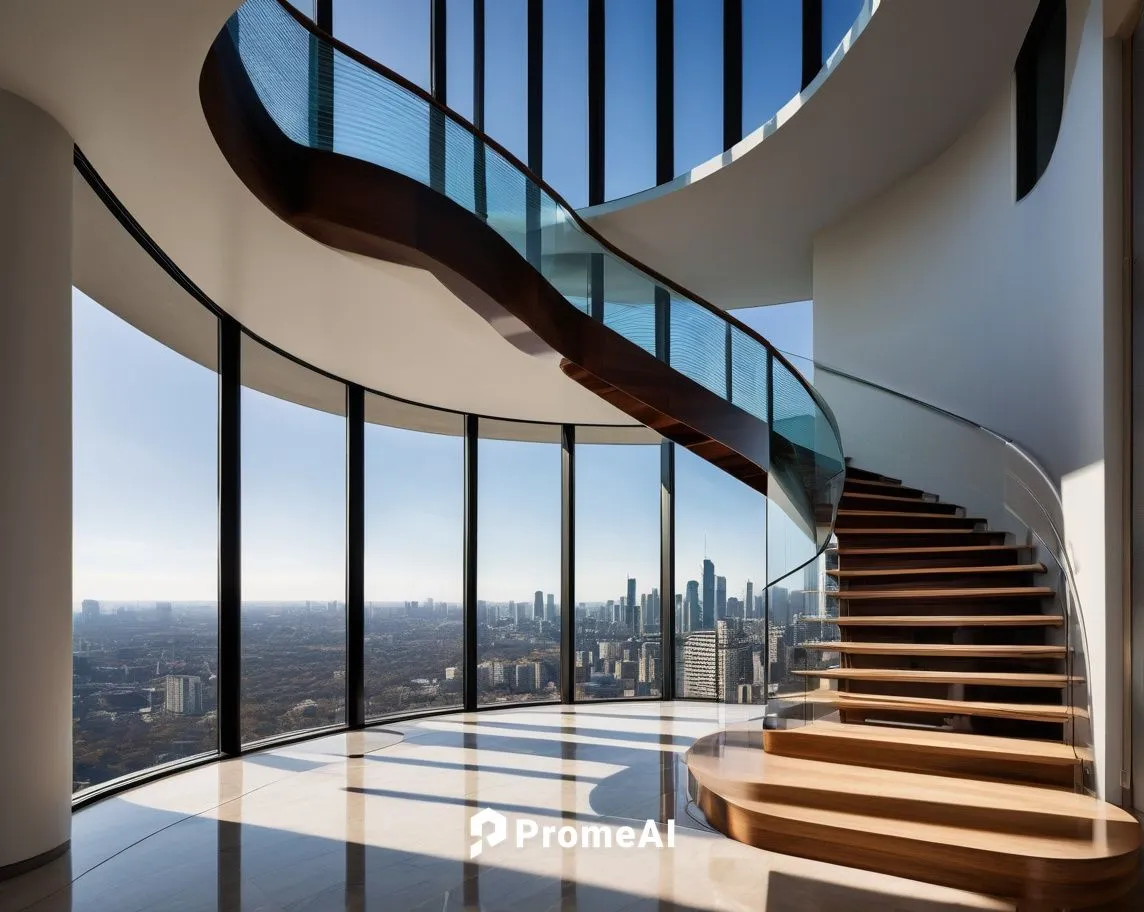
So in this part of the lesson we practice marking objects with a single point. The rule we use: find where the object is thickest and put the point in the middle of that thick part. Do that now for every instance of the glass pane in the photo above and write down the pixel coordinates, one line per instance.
(506, 75)
(699, 345)
(414, 526)
(566, 99)
(698, 82)
(720, 566)
(145, 561)
(459, 56)
(617, 571)
(395, 33)
(788, 327)
(629, 96)
(518, 562)
(772, 58)
(293, 546)
(837, 17)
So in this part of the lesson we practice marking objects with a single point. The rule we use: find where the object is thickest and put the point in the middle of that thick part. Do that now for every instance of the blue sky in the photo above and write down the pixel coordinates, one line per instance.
(145, 492)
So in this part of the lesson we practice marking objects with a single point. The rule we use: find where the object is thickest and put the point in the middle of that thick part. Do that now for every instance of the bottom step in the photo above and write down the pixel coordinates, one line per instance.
(1048, 763)
(1040, 846)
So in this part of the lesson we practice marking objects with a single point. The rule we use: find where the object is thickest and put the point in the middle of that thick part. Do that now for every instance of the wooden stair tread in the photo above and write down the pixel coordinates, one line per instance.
(948, 742)
(1028, 711)
(923, 676)
(888, 498)
(941, 649)
(931, 549)
(918, 530)
(950, 620)
(937, 571)
(911, 515)
(972, 592)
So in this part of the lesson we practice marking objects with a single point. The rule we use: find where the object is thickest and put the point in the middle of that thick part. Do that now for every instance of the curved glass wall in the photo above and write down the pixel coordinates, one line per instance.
(518, 562)
(145, 558)
(675, 82)
(293, 546)
(414, 574)
(618, 638)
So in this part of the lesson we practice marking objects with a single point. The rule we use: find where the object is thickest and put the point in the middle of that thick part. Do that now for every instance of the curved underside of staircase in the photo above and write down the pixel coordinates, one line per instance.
(362, 208)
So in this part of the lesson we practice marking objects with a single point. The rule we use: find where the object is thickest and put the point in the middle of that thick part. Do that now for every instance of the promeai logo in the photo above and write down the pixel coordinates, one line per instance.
(491, 827)
(498, 825)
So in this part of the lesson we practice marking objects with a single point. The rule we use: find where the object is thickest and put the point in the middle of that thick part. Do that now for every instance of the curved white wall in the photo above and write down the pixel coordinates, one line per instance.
(1008, 313)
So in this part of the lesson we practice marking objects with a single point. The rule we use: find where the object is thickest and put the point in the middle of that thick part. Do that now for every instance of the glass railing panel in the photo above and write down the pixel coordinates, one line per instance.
(699, 345)
(750, 385)
(629, 303)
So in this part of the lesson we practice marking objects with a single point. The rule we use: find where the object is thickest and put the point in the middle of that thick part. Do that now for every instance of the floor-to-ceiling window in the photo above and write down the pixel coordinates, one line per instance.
(145, 495)
(518, 562)
(393, 32)
(698, 82)
(629, 97)
(414, 524)
(293, 546)
(565, 93)
(837, 17)
(617, 579)
(772, 58)
(720, 575)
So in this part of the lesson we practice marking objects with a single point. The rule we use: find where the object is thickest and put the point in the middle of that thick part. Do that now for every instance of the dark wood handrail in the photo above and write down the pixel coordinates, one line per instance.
(660, 279)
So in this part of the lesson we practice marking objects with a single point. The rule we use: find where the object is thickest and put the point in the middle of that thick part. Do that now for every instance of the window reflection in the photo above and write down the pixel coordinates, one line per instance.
(293, 546)
(518, 558)
(414, 515)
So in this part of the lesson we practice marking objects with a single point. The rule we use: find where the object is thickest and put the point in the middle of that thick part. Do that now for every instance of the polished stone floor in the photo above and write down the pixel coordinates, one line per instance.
(381, 820)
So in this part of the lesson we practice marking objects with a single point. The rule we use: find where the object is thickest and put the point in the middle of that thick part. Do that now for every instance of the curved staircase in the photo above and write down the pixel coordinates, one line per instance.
(942, 743)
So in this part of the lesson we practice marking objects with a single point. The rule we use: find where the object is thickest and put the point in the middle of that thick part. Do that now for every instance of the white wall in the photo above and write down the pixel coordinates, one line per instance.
(948, 290)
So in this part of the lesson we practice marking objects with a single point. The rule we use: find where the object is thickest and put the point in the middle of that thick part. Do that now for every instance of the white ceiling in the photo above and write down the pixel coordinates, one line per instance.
(122, 77)
(739, 230)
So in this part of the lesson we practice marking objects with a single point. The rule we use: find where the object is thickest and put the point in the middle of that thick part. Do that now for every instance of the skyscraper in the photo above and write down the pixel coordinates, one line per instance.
(707, 620)
(692, 610)
(538, 605)
(551, 615)
(749, 601)
(720, 597)
(185, 695)
(631, 593)
(90, 611)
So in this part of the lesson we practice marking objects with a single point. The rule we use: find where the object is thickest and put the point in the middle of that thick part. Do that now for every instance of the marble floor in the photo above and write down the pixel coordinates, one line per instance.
(380, 819)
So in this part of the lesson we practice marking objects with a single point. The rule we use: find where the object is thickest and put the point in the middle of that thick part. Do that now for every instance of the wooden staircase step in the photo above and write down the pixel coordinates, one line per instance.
(1042, 846)
(884, 572)
(858, 500)
(931, 549)
(995, 592)
(923, 676)
(898, 518)
(949, 650)
(951, 620)
(859, 485)
(863, 702)
(867, 475)
(1050, 763)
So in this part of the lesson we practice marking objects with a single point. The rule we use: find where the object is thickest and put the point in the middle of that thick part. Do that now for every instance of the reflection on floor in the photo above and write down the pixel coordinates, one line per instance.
(381, 820)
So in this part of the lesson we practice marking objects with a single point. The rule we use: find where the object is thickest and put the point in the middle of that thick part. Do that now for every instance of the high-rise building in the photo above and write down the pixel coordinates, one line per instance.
(692, 610)
(720, 597)
(716, 662)
(551, 607)
(707, 621)
(90, 611)
(538, 605)
(185, 695)
(631, 592)
(749, 601)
